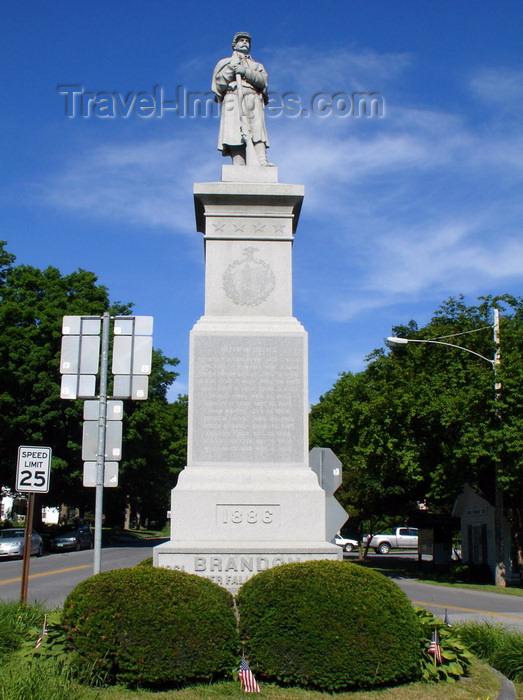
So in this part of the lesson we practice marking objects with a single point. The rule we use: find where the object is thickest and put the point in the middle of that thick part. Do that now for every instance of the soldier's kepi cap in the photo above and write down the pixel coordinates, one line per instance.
(243, 35)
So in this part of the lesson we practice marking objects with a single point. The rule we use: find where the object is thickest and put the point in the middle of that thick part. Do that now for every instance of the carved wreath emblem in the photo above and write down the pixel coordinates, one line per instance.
(248, 281)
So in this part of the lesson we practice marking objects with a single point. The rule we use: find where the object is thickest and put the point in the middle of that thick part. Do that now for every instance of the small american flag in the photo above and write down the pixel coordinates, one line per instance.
(248, 681)
(447, 621)
(435, 647)
(42, 633)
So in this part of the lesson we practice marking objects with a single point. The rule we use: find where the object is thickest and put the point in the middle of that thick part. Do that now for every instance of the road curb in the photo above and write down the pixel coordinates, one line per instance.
(508, 690)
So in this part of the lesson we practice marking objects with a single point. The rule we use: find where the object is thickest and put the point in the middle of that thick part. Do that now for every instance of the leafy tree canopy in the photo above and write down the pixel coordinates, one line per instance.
(32, 304)
(423, 419)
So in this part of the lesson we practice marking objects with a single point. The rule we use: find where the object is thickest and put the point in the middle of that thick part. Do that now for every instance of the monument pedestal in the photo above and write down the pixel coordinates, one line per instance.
(247, 499)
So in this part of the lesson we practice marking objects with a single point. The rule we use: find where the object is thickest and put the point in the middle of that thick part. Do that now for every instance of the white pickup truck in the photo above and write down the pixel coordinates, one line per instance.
(400, 538)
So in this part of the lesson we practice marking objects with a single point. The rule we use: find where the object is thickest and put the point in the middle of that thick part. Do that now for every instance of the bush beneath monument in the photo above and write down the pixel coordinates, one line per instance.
(146, 562)
(328, 626)
(152, 627)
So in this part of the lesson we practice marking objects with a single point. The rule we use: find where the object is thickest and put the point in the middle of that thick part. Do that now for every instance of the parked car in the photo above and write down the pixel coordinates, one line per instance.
(12, 543)
(72, 537)
(346, 543)
(400, 538)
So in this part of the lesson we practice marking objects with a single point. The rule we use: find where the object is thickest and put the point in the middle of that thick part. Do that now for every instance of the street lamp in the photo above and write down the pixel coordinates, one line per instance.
(500, 579)
(393, 340)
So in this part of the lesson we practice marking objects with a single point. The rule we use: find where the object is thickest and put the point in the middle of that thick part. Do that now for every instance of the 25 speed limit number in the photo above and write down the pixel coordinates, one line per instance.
(33, 467)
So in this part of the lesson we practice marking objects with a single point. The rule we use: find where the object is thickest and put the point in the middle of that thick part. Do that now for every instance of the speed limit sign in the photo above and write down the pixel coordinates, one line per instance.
(32, 470)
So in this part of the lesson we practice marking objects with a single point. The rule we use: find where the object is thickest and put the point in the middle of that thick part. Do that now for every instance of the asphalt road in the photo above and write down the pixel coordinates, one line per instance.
(53, 577)
(461, 604)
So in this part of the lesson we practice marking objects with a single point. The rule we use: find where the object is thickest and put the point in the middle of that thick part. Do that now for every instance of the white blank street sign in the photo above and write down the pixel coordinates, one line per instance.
(132, 354)
(133, 325)
(114, 410)
(131, 387)
(32, 469)
(81, 325)
(78, 386)
(113, 440)
(327, 467)
(80, 354)
(110, 474)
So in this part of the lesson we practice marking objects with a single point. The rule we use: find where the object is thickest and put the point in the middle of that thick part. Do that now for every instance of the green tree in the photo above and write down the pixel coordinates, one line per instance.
(154, 451)
(32, 304)
(421, 420)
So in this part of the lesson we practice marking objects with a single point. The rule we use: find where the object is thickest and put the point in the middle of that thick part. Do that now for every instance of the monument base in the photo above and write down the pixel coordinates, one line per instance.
(230, 521)
(232, 565)
(247, 499)
(249, 173)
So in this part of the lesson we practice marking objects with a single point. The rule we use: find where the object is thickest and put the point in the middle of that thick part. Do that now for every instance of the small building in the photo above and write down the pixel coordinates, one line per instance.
(478, 545)
(13, 507)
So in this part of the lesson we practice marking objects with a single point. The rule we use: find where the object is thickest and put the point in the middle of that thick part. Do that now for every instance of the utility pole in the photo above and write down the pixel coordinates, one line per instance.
(500, 573)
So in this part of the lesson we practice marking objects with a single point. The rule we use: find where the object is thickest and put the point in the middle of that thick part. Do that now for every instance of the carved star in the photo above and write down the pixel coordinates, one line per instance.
(279, 228)
(258, 228)
(239, 228)
(218, 228)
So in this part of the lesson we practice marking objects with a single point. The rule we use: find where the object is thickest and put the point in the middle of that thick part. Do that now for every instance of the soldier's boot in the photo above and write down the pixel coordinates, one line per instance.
(261, 152)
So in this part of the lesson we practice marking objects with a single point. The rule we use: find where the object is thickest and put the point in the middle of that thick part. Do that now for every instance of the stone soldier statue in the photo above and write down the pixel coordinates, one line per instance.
(240, 84)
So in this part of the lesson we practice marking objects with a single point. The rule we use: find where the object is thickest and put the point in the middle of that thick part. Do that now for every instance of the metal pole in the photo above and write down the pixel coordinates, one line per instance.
(100, 456)
(27, 547)
(500, 573)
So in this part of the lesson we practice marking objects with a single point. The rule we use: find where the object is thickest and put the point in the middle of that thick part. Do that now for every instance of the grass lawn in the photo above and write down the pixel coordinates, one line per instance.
(481, 684)
(135, 534)
(410, 569)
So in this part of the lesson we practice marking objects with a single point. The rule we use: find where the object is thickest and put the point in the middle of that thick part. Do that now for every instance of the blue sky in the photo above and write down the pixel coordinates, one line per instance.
(400, 212)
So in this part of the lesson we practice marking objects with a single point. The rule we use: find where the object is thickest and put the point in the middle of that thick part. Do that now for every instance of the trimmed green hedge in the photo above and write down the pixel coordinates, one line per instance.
(151, 626)
(328, 625)
(146, 562)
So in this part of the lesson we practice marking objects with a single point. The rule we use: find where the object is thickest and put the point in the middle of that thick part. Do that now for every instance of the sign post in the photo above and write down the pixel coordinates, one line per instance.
(83, 356)
(100, 456)
(32, 476)
(27, 547)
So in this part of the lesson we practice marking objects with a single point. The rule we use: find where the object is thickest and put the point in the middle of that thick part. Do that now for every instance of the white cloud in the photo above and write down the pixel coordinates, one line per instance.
(502, 87)
(140, 183)
(412, 204)
(405, 266)
(303, 72)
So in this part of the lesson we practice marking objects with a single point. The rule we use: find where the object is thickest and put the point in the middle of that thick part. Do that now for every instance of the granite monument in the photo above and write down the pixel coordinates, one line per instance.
(247, 499)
